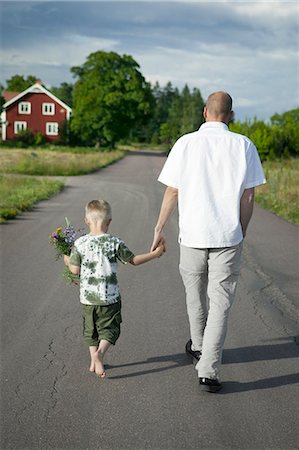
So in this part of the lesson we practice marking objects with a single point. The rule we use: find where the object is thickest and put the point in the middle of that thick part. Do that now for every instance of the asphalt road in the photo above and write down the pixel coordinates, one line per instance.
(150, 400)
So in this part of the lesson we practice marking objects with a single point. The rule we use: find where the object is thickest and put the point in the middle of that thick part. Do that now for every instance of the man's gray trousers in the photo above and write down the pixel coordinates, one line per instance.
(210, 278)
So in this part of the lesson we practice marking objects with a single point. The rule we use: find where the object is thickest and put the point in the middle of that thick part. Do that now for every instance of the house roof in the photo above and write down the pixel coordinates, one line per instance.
(8, 95)
(35, 88)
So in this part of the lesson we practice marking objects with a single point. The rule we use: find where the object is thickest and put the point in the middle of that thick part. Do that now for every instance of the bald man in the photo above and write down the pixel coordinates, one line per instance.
(211, 175)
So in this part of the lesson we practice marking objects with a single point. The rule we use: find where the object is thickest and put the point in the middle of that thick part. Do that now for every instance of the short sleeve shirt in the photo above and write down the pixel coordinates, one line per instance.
(211, 168)
(97, 257)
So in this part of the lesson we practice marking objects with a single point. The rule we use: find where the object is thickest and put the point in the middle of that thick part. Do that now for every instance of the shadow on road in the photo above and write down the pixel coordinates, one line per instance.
(231, 387)
(230, 356)
(177, 360)
(260, 353)
(267, 352)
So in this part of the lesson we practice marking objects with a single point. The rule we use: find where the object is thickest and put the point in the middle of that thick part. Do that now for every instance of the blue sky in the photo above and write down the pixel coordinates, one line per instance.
(249, 49)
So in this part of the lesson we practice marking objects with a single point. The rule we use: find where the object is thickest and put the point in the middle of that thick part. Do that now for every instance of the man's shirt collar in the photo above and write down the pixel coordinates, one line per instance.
(211, 124)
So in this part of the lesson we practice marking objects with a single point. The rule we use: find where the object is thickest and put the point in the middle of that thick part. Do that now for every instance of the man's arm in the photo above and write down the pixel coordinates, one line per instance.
(246, 208)
(169, 204)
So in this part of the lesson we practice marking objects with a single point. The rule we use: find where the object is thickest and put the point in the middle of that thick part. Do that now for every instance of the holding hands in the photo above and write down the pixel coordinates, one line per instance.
(160, 248)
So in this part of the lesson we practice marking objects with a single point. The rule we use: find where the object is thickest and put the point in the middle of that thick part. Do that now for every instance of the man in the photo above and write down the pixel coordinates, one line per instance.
(211, 174)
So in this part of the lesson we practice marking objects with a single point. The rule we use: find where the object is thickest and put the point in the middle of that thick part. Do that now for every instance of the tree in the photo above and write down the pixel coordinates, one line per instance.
(286, 132)
(287, 118)
(184, 115)
(110, 97)
(277, 139)
(163, 98)
(18, 83)
(64, 92)
(2, 99)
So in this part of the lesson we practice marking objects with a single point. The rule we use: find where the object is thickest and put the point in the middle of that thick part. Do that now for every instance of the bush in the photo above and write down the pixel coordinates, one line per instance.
(25, 137)
(277, 139)
(39, 139)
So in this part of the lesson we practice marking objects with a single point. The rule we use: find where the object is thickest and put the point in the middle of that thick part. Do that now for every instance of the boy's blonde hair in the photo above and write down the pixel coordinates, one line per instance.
(98, 211)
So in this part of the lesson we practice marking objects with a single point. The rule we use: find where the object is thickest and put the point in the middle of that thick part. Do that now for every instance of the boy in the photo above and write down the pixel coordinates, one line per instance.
(94, 257)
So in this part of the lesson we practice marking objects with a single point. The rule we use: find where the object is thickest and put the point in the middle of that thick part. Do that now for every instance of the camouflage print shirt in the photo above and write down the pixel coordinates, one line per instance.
(97, 257)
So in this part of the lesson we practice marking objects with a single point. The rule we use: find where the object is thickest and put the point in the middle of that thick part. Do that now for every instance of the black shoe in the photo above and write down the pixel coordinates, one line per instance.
(209, 385)
(195, 354)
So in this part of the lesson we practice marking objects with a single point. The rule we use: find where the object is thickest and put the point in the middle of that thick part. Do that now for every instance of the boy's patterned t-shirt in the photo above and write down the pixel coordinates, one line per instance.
(97, 257)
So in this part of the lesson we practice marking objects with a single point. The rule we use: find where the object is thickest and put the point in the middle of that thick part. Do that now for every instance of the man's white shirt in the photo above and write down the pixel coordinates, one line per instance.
(211, 168)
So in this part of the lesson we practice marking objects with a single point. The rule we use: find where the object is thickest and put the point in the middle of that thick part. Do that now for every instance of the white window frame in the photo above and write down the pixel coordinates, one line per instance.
(19, 125)
(48, 109)
(49, 129)
(24, 108)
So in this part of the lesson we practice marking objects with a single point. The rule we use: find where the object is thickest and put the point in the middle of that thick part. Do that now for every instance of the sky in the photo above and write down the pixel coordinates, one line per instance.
(249, 49)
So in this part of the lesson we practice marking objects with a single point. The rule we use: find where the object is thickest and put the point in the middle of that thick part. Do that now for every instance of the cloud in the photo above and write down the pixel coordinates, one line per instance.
(247, 48)
(74, 49)
(241, 71)
(267, 11)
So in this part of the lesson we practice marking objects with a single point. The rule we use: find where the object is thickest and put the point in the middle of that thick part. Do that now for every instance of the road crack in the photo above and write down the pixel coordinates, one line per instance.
(49, 366)
(267, 294)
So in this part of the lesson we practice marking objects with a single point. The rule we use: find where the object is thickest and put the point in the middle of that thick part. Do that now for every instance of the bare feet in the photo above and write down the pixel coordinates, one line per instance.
(98, 365)
(92, 367)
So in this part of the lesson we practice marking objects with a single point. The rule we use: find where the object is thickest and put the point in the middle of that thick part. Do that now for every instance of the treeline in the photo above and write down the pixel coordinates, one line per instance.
(277, 139)
(175, 112)
(113, 103)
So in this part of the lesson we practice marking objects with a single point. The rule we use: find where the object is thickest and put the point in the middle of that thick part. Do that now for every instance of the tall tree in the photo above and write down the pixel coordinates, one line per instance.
(18, 83)
(163, 99)
(2, 99)
(286, 133)
(184, 115)
(110, 96)
(64, 92)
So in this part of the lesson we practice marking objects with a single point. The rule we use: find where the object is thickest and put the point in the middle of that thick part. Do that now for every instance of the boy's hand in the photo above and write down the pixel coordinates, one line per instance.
(66, 260)
(160, 249)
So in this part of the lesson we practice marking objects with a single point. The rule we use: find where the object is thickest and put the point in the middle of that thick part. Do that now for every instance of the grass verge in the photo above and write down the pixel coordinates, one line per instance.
(48, 163)
(281, 193)
(18, 194)
(164, 148)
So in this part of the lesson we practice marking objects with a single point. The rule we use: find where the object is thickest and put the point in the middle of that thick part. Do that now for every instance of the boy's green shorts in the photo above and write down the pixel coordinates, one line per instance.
(101, 322)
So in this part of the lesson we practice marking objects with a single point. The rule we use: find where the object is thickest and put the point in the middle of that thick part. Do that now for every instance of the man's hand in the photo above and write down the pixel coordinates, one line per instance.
(246, 208)
(169, 204)
(158, 240)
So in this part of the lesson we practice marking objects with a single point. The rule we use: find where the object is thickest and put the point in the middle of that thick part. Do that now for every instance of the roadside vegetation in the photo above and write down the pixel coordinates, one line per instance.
(281, 193)
(54, 163)
(18, 194)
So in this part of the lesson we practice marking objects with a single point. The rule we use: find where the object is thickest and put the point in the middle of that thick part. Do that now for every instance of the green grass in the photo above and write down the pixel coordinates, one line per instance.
(164, 148)
(18, 194)
(281, 193)
(48, 163)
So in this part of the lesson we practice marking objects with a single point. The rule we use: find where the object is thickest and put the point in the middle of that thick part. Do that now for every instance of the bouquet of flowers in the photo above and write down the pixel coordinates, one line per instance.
(63, 241)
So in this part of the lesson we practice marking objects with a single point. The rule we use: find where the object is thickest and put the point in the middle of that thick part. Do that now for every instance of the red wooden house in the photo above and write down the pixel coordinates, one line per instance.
(37, 109)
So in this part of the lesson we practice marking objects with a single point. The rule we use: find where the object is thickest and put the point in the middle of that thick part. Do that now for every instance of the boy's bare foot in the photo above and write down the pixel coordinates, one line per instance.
(92, 367)
(98, 365)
